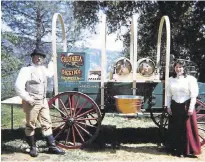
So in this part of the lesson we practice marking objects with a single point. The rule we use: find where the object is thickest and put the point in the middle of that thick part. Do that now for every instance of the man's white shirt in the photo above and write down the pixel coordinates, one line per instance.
(25, 75)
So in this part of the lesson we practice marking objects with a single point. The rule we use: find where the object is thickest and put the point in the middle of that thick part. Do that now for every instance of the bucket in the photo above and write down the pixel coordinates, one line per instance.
(127, 104)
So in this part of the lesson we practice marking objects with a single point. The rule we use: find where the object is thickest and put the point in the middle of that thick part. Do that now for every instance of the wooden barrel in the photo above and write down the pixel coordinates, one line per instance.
(127, 104)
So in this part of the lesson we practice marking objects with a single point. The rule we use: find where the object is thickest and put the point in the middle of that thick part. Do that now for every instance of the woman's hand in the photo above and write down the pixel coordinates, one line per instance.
(190, 113)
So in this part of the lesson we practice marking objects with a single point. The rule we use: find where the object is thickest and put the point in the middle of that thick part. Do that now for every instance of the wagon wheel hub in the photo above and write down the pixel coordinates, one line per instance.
(70, 121)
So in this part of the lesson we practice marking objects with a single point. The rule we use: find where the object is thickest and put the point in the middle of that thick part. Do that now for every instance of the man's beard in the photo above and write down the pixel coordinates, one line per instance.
(39, 62)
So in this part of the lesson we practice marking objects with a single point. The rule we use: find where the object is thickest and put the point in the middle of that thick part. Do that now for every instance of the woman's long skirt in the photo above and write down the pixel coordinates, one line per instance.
(183, 130)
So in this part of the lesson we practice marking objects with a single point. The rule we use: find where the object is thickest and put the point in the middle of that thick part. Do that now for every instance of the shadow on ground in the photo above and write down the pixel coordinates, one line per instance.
(109, 137)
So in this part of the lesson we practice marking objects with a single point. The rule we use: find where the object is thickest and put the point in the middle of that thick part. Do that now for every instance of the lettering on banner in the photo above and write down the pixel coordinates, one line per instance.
(72, 67)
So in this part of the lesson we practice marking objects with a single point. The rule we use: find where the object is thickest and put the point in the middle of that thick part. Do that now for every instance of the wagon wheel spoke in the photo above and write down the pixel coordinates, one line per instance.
(52, 115)
(83, 119)
(58, 109)
(76, 105)
(64, 106)
(73, 134)
(83, 105)
(89, 125)
(157, 117)
(85, 113)
(200, 116)
(67, 136)
(79, 134)
(70, 101)
(89, 120)
(165, 123)
(58, 127)
(76, 119)
(59, 133)
(59, 121)
(88, 133)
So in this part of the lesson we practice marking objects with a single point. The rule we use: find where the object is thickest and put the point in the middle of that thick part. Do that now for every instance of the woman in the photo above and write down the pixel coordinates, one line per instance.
(182, 91)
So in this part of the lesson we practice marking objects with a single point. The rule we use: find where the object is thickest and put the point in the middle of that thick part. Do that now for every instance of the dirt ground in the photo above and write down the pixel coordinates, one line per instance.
(133, 143)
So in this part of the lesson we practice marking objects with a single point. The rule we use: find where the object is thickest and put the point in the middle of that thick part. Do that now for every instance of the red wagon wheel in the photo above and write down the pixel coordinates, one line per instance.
(200, 110)
(76, 119)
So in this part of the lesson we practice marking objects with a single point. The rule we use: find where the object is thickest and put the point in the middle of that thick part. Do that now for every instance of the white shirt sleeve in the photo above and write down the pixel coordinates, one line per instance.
(194, 91)
(50, 70)
(23, 77)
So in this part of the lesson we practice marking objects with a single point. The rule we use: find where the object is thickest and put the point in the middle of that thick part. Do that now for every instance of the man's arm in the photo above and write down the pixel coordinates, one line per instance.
(50, 70)
(20, 83)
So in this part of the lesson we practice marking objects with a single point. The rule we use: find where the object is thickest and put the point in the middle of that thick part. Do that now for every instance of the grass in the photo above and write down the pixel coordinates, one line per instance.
(18, 117)
(136, 136)
(124, 122)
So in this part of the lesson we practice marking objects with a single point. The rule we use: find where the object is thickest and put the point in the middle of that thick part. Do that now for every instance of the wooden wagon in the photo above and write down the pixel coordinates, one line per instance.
(133, 86)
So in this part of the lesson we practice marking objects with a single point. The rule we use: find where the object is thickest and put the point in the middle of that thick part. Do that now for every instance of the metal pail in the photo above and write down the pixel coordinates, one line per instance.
(128, 103)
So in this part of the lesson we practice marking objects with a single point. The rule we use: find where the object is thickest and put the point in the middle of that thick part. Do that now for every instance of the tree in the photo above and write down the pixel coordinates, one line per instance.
(30, 23)
(33, 19)
(9, 65)
(186, 18)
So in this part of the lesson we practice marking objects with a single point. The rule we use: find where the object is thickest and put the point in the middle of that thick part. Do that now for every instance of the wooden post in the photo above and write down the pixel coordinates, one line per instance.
(103, 58)
(134, 50)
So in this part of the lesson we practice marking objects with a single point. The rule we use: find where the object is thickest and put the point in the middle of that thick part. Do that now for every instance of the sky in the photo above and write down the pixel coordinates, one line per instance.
(111, 43)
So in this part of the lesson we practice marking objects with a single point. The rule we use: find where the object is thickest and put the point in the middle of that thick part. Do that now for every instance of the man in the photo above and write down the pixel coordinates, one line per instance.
(31, 86)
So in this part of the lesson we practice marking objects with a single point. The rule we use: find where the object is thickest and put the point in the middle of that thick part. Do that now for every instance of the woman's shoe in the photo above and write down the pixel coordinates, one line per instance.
(191, 156)
(181, 156)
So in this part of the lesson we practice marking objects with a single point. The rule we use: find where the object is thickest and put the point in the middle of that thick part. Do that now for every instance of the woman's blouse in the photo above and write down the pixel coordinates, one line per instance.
(181, 89)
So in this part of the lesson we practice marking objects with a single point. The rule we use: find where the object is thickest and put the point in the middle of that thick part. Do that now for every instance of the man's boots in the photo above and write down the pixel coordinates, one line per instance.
(52, 148)
(32, 143)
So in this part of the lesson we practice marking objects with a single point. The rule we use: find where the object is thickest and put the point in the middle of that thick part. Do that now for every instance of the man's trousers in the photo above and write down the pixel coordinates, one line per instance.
(38, 112)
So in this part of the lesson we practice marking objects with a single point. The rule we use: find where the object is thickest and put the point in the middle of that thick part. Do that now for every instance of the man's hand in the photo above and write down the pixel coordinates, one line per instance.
(52, 59)
(169, 111)
(32, 102)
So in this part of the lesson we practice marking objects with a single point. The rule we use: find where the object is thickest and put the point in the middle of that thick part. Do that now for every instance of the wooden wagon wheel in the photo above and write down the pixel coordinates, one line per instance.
(76, 119)
(161, 119)
(200, 110)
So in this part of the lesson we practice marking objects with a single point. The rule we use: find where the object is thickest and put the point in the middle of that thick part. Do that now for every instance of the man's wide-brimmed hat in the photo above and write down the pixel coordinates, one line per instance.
(38, 52)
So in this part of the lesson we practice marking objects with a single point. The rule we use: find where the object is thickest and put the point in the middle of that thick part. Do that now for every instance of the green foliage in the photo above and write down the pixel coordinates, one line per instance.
(83, 9)
(29, 18)
(33, 19)
(31, 24)
(11, 37)
(186, 18)
(10, 65)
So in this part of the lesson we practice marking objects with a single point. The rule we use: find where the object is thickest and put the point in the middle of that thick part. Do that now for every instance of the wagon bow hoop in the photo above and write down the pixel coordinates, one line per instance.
(168, 42)
(57, 16)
